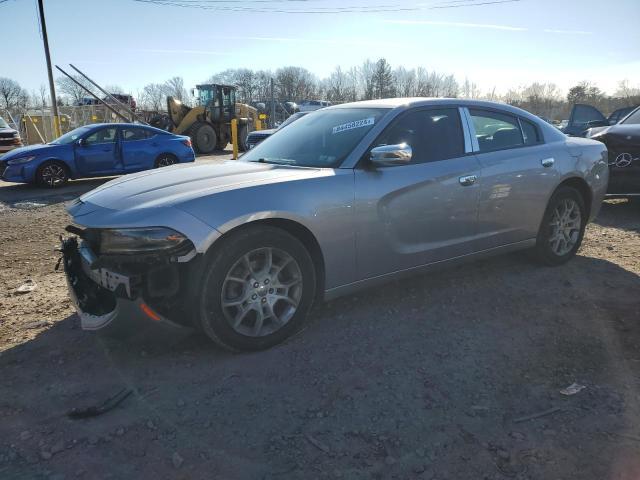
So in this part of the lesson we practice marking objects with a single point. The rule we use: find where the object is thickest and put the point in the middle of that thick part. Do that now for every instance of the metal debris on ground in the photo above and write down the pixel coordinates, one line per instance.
(108, 405)
(26, 287)
(572, 389)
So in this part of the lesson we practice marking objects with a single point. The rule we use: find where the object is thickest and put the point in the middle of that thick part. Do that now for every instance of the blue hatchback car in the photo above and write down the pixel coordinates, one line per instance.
(95, 151)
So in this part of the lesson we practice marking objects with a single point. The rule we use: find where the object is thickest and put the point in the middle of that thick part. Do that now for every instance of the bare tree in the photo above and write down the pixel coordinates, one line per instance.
(12, 95)
(405, 82)
(43, 96)
(295, 84)
(175, 87)
(153, 97)
(71, 90)
(336, 86)
(366, 74)
(626, 91)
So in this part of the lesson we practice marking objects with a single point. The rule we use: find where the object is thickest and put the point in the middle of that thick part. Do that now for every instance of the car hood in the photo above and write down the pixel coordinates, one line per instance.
(622, 134)
(178, 184)
(30, 149)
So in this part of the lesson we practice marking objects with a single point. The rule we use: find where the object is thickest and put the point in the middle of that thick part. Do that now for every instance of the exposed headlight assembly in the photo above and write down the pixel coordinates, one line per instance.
(127, 241)
(21, 160)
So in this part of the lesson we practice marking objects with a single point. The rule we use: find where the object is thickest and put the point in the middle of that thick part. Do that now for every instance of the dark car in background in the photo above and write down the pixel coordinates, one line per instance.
(127, 100)
(9, 138)
(623, 145)
(258, 136)
(583, 117)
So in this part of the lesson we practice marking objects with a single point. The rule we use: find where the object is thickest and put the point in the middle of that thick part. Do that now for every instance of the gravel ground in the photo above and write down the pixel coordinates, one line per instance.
(435, 377)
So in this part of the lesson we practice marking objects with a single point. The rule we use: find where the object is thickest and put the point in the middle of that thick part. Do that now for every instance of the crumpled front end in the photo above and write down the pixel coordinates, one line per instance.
(129, 291)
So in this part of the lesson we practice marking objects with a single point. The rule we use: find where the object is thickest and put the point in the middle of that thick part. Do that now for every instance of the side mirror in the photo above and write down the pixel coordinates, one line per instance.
(81, 142)
(389, 155)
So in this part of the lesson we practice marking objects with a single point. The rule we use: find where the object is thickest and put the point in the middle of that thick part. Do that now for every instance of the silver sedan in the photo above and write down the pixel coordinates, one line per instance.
(344, 198)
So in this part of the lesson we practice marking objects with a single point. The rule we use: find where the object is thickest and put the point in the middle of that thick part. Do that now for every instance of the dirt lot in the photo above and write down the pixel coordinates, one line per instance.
(437, 377)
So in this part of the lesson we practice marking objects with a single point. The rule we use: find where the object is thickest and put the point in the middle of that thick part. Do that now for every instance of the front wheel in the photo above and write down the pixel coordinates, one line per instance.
(562, 227)
(203, 137)
(52, 174)
(257, 289)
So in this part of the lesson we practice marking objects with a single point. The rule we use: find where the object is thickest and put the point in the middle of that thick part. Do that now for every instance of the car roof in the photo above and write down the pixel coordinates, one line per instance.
(420, 101)
(410, 102)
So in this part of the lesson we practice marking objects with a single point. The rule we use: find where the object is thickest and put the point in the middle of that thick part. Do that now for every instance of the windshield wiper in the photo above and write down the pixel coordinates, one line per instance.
(277, 161)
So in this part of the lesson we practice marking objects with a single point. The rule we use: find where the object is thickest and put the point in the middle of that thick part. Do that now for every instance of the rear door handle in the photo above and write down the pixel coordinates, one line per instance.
(467, 180)
(547, 162)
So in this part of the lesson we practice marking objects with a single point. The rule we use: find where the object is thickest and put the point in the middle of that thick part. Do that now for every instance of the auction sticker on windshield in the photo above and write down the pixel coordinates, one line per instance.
(365, 122)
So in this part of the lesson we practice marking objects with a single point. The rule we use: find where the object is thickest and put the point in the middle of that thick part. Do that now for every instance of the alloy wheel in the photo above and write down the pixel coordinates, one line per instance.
(54, 175)
(261, 292)
(165, 161)
(565, 224)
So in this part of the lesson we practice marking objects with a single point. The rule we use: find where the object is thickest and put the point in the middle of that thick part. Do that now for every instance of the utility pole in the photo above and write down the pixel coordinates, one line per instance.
(272, 115)
(52, 87)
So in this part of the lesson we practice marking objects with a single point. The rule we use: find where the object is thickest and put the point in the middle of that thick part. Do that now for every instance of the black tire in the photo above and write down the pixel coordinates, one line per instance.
(543, 251)
(211, 317)
(203, 137)
(165, 159)
(52, 174)
(243, 136)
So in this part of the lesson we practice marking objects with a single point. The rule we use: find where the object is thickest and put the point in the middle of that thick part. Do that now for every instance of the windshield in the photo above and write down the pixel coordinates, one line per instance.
(323, 139)
(71, 136)
(3, 124)
(633, 118)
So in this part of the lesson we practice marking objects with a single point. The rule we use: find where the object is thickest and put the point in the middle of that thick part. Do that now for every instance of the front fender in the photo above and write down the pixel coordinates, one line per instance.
(323, 205)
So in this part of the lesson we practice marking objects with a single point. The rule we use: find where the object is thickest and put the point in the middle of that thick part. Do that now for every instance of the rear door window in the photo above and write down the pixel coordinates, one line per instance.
(496, 131)
(131, 134)
(433, 134)
(530, 132)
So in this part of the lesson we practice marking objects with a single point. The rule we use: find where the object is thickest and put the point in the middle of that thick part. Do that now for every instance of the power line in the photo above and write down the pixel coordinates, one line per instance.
(219, 5)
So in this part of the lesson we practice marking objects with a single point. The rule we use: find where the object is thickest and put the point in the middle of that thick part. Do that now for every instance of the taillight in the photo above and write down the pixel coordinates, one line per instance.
(187, 142)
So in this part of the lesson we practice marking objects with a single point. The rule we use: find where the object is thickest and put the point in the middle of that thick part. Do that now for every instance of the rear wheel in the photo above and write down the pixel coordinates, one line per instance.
(562, 227)
(165, 159)
(52, 174)
(203, 137)
(257, 289)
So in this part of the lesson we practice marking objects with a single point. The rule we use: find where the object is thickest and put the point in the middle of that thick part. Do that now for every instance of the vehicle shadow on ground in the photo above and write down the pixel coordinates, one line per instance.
(439, 375)
(620, 213)
(25, 196)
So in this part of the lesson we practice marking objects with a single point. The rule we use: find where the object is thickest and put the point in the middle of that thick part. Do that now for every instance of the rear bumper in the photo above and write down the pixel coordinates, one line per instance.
(103, 298)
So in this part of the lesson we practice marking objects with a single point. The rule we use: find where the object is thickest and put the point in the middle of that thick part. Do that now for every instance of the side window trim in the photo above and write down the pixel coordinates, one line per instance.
(524, 140)
(470, 140)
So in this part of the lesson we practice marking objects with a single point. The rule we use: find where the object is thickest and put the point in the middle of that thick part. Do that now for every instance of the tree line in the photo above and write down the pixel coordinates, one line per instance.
(370, 80)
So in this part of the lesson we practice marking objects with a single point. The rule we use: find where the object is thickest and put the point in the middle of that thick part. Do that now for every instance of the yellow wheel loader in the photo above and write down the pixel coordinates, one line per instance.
(209, 123)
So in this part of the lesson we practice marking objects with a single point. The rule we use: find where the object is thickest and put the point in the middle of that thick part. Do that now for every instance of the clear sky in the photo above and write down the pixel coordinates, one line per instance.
(130, 43)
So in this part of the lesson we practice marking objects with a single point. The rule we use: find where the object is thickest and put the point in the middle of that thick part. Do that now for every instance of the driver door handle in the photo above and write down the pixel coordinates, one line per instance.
(467, 180)
(547, 162)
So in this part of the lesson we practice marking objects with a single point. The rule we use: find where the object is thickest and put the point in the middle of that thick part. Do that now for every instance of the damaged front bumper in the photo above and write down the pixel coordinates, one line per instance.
(134, 294)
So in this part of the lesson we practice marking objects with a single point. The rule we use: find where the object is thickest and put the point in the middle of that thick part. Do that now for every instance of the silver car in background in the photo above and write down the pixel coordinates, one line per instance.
(351, 196)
